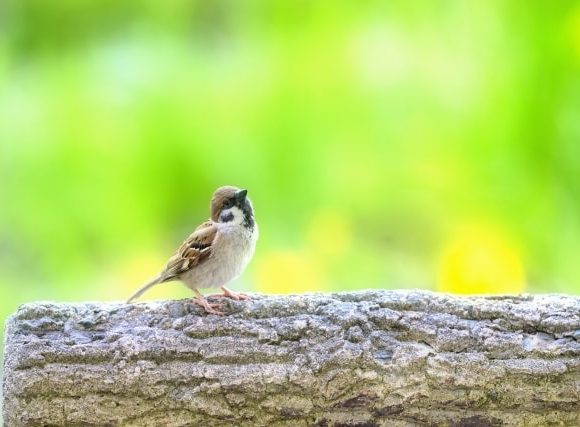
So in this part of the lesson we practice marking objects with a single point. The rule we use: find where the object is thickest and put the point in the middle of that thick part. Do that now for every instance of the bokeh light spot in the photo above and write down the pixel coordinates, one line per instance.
(329, 234)
(481, 260)
(288, 272)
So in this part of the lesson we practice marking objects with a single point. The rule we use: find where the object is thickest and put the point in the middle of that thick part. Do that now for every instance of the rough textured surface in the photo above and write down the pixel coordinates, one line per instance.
(355, 359)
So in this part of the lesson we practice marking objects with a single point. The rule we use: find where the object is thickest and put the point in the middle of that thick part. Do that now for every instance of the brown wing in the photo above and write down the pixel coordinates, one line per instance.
(196, 249)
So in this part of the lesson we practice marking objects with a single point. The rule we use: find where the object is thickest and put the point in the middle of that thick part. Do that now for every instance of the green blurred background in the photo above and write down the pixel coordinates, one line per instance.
(385, 144)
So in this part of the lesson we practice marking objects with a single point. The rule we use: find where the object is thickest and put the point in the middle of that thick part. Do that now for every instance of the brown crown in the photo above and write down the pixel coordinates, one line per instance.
(219, 197)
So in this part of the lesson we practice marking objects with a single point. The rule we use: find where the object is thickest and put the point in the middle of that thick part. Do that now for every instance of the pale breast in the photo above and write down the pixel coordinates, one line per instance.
(231, 252)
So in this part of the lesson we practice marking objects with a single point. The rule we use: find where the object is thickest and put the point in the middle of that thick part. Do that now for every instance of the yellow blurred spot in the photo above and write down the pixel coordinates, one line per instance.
(329, 234)
(480, 260)
(140, 268)
(288, 272)
(136, 271)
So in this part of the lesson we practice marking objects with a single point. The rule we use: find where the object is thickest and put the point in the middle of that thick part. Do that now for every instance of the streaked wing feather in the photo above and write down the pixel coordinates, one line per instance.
(194, 250)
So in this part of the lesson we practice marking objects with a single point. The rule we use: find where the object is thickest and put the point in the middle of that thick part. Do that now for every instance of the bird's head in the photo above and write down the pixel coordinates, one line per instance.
(231, 205)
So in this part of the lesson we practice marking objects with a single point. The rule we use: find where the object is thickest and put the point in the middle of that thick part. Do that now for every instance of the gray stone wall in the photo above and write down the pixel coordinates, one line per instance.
(377, 358)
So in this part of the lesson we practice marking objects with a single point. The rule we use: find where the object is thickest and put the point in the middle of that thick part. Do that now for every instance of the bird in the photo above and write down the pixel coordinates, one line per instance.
(217, 252)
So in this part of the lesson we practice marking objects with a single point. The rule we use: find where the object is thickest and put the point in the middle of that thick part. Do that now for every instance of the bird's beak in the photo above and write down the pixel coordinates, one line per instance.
(241, 195)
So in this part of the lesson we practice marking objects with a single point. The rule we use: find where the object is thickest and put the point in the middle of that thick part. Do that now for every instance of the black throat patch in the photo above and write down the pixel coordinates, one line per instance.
(248, 215)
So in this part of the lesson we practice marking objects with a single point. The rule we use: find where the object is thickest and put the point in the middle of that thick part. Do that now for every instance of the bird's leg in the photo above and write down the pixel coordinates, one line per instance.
(208, 307)
(231, 294)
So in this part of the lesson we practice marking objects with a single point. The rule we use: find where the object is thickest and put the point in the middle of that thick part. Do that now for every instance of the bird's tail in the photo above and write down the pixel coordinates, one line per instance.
(145, 287)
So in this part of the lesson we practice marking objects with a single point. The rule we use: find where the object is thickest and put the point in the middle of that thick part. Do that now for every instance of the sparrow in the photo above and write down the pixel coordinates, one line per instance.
(217, 252)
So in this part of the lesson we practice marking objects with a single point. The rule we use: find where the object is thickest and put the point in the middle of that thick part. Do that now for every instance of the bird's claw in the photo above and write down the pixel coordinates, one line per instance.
(237, 296)
(210, 308)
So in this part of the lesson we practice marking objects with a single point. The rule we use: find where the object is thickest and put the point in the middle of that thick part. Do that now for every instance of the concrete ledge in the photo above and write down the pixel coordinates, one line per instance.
(377, 358)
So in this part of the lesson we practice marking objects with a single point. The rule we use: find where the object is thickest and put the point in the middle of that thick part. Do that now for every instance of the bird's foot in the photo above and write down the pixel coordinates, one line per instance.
(207, 306)
(238, 296)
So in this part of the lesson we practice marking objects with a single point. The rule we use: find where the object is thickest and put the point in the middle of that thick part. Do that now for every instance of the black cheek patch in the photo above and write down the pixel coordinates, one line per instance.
(227, 217)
